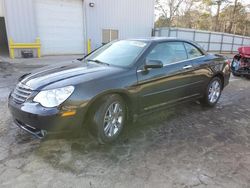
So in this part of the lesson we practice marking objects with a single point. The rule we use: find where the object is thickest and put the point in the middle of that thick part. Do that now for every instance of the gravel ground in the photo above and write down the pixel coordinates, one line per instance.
(186, 146)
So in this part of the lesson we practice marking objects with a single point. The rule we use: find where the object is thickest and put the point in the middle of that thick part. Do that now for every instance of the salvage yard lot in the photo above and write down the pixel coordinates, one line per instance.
(185, 146)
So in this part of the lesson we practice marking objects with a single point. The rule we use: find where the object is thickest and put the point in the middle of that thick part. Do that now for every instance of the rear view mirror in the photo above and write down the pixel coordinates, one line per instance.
(153, 64)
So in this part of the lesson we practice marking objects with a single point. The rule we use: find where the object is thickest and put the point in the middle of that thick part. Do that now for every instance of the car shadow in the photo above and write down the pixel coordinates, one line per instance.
(175, 130)
(85, 155)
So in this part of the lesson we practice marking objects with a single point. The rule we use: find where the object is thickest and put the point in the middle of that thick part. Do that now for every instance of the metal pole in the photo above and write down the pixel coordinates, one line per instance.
(153, 32)
(221, 44)
(159, 34)
(169, 31)
(85, 24)
(89, 46)
(242, 41)
(209, 40)
(232, 45)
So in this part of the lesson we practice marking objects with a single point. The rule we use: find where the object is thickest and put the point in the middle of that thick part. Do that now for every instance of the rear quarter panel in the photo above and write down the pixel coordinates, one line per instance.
(209, 66)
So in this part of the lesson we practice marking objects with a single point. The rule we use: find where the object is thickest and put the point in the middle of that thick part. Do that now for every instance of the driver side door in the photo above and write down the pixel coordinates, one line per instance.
(162, 86)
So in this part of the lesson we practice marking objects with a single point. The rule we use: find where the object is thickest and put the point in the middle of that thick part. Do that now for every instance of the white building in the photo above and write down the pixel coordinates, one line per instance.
(65, 26)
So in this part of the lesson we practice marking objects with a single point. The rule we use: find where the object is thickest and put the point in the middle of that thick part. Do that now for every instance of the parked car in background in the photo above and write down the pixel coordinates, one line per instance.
(120, 81)
(241, 62)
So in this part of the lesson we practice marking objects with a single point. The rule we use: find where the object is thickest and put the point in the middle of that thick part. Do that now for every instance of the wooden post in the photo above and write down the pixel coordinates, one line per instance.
(245, 29)
(235, 27)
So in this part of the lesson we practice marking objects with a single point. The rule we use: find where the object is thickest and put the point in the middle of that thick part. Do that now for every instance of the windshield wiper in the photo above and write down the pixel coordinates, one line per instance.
(97, 61)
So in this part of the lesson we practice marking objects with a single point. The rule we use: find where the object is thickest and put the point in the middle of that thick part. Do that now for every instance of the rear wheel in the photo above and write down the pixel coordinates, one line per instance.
(108, 118)
(213, 92)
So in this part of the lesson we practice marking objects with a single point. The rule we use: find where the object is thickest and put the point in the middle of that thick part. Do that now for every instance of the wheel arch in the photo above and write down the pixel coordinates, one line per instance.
(221, 76)
(98, 99)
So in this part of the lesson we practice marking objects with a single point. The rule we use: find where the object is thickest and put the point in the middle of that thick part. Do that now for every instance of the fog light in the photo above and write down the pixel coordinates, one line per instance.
(43, 133)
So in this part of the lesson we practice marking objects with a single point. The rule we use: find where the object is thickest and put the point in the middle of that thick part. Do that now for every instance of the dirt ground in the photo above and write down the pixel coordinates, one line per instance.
(186, 146)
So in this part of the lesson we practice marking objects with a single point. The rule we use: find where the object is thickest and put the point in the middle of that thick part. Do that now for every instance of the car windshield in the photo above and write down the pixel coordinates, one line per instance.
(120, 53)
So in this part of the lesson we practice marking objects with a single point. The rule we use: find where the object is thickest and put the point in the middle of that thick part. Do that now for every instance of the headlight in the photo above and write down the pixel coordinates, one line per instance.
(54, 97)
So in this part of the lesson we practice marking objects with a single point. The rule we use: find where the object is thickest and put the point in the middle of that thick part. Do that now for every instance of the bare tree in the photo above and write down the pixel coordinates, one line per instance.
(168, 9)
(232, 20)
(231, 16)
(218, 3)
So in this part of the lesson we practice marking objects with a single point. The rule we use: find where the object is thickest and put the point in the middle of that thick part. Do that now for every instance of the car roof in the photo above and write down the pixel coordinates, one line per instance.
(168, 39)
(159, 39)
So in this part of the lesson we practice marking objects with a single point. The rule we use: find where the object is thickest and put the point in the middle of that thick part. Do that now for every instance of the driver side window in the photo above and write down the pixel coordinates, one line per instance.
(168, 52)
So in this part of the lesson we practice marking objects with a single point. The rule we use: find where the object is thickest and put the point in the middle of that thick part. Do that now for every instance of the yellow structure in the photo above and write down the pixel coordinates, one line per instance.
(89, 46)
(13, 46)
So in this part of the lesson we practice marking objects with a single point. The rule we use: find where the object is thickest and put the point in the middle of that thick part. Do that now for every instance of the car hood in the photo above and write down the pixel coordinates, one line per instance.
(49, 75)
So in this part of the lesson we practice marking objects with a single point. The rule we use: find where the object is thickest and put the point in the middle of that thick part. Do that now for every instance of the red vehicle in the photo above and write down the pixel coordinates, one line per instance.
(241, 62)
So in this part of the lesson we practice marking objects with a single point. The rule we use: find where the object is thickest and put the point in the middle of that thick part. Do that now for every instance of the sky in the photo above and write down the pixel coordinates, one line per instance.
(244, 2)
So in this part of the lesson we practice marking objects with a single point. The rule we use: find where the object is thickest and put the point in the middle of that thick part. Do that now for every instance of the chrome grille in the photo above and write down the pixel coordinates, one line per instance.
(21, 93)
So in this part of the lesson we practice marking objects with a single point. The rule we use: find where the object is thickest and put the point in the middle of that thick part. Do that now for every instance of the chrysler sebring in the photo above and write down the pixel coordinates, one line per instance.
(120, 81)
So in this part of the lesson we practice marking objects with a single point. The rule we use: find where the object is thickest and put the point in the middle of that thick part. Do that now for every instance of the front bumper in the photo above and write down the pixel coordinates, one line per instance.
(38, 133)
(243, 72)
(38, 120)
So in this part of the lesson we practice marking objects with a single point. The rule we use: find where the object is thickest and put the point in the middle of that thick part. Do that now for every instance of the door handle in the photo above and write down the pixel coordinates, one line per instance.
(187, 67)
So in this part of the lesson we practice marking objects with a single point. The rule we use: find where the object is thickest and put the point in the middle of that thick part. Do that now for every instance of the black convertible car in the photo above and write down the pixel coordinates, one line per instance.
(119, 81)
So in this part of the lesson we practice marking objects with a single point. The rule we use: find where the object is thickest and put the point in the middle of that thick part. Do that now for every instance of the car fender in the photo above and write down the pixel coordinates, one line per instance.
(128, 98)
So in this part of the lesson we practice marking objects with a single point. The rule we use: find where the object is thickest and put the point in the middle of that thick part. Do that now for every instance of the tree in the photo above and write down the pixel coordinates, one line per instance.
(240, 21)
(218, 3)
(162, 22)
(168, 9)
(171, 10)
(232, 17)
(198, 14)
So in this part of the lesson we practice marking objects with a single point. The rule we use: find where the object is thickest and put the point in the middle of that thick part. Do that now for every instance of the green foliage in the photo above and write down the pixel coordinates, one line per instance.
(162, 22)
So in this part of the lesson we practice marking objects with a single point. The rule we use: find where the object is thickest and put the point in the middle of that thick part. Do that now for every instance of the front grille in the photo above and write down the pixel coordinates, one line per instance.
(21, 93)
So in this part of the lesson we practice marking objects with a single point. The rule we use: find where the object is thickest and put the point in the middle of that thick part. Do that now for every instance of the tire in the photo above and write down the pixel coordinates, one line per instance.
(247, 77)
(236, 74)
(210, 99)
(105, 123)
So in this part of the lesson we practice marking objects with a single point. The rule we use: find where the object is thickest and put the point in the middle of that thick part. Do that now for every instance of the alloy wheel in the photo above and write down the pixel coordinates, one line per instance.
(113, 119)
(214, 91)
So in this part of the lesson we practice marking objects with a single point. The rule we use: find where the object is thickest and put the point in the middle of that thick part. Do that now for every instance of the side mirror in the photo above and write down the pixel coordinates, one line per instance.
(153, 64)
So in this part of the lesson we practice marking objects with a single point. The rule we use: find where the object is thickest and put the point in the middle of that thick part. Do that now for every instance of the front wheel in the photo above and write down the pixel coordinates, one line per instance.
(108, 118)
(213, 92)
